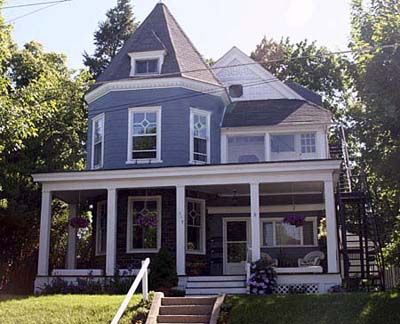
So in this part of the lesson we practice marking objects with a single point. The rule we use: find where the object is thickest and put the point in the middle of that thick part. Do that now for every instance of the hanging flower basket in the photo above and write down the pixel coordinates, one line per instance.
(147, 220)
(78, 222)
(296, 220)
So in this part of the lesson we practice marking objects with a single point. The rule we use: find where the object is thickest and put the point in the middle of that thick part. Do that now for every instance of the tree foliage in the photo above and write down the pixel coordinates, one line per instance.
(111, 34)
(376, 115)
(309, 65)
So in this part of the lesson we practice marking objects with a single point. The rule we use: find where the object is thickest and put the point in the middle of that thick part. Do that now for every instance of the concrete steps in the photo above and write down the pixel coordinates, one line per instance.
(215, 285)
(186, 310)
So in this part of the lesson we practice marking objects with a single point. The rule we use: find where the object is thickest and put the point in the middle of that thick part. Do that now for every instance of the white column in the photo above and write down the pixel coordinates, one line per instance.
(267, 147)
(71, 248)
(44, 239)
(224, 149)
(111, 249)
(180, 231)
(255, 221)
(331, 227)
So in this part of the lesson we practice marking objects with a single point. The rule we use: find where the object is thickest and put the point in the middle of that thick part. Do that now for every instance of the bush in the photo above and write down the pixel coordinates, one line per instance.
(262, 279)
(162, 272)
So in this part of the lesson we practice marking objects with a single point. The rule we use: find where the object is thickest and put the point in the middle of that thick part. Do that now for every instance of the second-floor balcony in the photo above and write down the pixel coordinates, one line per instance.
(270, 146)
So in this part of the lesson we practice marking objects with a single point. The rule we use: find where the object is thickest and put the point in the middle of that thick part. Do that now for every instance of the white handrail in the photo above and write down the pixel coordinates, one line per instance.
(141, 276)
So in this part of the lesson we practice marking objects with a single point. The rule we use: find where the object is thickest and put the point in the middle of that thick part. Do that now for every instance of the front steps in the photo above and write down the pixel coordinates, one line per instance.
(215, 285)
(186, 310)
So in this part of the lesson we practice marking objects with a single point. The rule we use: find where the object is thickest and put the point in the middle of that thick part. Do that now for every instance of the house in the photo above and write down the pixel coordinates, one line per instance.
(204, 161)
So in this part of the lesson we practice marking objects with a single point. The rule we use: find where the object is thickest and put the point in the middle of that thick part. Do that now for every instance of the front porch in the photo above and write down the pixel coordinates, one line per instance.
(214, 219)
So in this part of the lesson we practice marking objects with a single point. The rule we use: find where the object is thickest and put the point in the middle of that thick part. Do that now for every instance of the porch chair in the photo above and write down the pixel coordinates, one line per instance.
(311, 259)
(273, 261)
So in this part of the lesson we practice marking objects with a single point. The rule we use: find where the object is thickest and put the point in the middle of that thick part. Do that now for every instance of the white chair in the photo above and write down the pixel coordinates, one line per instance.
(311, 259)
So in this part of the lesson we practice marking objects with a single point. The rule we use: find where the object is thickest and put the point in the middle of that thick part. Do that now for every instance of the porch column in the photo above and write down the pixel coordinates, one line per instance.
(111, 248)
(180, 231)
(44, 239)
(255, 221)
(71, 249)
(331, 227)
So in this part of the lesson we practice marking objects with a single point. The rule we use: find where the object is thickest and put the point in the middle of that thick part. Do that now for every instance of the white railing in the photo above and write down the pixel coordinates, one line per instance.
(142, 276)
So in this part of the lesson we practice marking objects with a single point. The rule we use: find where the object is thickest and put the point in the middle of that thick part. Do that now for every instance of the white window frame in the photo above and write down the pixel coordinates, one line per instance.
(100, 204)
(131, 111)
(207, 114)
(129, 234)
(279, 220)
(96, 119)
(151, 55)
(245, 135)
(202, 250)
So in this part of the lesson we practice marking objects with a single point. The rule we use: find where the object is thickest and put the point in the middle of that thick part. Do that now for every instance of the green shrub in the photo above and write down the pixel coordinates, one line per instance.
(162, 271)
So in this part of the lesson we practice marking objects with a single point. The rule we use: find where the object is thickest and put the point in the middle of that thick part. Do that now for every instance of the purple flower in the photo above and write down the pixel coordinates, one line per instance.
(296, 220)
(147, 220)
(78, 222)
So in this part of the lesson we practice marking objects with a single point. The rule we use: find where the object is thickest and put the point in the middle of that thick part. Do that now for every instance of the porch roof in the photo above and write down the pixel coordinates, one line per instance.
(192, 175)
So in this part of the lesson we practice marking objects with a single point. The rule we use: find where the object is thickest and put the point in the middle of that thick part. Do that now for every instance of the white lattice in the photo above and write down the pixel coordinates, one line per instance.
(310, 288)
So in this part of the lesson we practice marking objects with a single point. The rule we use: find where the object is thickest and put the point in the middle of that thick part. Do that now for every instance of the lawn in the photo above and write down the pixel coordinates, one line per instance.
(354, 308)
(65, 309)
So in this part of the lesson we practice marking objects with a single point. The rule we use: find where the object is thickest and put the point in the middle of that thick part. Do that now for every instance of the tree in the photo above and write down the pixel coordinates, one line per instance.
(376, 117)
(308, 65)
(111, 34)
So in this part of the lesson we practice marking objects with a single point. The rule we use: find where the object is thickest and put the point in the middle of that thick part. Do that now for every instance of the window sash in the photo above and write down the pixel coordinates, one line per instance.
(97, 141)
(132, 225)
(195, 227)
(279, 222)
(200, 137)
(147, 65)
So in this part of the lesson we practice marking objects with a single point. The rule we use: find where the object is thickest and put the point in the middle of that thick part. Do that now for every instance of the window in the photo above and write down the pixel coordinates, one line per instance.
(276, 233)
(235, 90)
(146, 63)
(101, 228)
(244, 149)
(200, 136)
(144, 143)
(195, 226)
(282, 143)
(144, 224)
(146, 66)
(307, 142)
(97, 141)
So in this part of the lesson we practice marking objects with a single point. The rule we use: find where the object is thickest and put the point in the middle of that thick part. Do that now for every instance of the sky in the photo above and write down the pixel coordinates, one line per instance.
(214, 26)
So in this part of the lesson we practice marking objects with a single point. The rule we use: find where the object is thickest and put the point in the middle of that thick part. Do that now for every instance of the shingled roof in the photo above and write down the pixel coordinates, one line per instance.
(274, 112)
(160, 31)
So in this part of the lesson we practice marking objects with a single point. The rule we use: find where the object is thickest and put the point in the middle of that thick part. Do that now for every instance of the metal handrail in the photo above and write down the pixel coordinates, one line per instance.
(142, 276)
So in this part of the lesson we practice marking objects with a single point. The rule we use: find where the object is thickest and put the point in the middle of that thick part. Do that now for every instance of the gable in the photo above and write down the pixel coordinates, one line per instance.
(235, 67)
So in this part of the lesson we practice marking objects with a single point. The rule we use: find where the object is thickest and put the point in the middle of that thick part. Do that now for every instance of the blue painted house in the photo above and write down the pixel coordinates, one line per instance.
(208, 162)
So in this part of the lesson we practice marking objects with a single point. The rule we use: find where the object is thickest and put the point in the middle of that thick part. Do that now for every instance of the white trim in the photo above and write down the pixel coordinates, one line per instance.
(131, 112)
(157, 83)
(277, 172)
(151, 55)
(98, 233)
(77, 272)
(207, 114)
(101, 118)
(202, 250)
(265, 209)
(275, 220)
(129, 233)
(274, 129)
(224, 234)
(299, 270)
(111, 250)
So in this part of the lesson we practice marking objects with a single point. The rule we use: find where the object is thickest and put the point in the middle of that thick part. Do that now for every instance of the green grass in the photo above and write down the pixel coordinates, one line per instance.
(354, 308)
(65, 309)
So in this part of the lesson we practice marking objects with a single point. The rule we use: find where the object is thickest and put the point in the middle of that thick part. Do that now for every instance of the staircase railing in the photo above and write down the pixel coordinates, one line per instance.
(142, 276)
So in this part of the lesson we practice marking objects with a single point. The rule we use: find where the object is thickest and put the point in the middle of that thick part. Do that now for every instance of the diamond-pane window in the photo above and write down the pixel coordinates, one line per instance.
(195, 227)
(200, 136)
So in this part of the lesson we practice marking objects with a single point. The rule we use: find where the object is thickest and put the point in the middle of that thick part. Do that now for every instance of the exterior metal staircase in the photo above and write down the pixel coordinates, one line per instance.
(362, 262)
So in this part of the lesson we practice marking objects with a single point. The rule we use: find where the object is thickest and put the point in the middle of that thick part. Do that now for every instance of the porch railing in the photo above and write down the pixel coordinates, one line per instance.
(142, 276)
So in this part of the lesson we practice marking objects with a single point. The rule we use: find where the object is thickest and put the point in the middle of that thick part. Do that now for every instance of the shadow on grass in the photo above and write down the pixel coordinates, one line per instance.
(7, 297)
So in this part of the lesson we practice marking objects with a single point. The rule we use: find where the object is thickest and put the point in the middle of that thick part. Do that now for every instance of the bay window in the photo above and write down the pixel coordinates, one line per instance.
(276, 233)
(97, 141)
(195, 226)
(244, 149)
(199, 136)
(144, 224)
(144, 136)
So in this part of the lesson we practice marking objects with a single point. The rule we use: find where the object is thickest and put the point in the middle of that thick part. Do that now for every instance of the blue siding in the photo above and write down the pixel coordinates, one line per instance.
(175, 129)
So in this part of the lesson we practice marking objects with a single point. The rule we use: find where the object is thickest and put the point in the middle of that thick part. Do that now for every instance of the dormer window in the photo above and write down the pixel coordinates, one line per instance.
(146, 63)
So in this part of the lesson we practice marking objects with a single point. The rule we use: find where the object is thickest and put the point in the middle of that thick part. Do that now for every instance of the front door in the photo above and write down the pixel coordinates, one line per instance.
(236, 242)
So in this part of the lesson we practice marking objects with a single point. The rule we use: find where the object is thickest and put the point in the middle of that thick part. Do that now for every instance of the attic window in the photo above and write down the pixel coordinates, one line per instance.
(235, 90)
(146, 66)
(146, 63)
